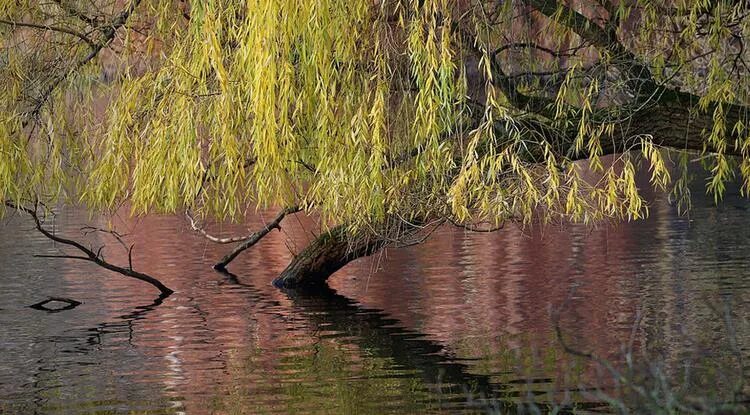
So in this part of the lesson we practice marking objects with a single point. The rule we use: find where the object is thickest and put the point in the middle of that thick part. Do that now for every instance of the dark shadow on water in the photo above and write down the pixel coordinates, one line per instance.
(82, 341)
(385, 337)
(45, 305)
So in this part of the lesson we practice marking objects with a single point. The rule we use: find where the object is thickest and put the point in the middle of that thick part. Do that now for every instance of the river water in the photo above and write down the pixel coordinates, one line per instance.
(465, 322)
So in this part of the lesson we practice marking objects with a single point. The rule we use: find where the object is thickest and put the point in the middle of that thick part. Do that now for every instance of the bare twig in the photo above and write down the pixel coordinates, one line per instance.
(215, 239)
(76, 13)
(118, 236)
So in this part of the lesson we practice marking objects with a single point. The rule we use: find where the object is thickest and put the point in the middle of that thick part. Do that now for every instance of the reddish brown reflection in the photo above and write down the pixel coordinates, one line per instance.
(222, 339)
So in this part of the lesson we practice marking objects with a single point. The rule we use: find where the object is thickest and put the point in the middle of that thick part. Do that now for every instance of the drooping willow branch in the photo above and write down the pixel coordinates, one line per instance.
(88, 254)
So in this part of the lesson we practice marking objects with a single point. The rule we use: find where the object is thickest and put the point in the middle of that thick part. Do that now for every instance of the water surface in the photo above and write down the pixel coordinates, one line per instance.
(463, 323)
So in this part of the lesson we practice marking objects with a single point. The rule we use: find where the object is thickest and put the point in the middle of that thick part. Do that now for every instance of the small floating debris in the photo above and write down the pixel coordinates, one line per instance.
(56, 304)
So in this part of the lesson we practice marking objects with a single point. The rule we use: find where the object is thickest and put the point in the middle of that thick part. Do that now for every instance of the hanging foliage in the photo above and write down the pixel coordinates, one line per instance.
(362, 110)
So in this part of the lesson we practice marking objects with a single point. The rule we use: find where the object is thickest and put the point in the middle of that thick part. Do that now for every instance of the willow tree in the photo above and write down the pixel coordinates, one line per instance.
(383, 117)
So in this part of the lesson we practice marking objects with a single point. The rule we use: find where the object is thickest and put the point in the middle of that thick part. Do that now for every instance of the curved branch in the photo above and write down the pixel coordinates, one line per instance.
(587, 29)
(89, 255)
(530, 45)
(591, 32)
(215, 239)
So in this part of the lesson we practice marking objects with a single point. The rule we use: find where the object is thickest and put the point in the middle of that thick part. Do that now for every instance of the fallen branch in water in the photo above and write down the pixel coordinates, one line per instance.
(252, 239)
(88, 254)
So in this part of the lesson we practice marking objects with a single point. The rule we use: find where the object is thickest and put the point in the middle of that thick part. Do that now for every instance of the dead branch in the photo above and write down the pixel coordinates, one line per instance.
(215, 239)
(86, 230)
(89, 254)
(251, 240)
(194, 223)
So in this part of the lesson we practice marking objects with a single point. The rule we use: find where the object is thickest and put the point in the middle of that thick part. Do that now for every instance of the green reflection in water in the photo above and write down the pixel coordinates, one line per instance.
(363, 362)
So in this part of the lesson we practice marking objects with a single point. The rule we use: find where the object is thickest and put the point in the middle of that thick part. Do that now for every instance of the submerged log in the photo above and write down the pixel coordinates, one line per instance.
(325, 255)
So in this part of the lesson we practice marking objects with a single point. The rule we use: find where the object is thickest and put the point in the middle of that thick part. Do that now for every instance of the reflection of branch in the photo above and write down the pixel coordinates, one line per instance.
(89, 254)
(653, 390)
(42, 305)
(555, 317)
(726, 315)
(384, 337)
(251, 240)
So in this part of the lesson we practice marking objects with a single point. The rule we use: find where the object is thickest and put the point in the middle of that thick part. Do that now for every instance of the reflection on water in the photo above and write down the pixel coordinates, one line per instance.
(459, 324)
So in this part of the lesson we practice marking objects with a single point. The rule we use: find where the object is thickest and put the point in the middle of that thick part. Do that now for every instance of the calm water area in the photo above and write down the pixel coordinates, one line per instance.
(464, 323)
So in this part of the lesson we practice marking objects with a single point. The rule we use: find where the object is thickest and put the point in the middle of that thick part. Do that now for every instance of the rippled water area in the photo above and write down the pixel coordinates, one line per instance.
(517, 321)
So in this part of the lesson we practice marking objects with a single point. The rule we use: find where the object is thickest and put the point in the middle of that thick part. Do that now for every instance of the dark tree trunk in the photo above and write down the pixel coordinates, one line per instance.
(672, 122)
(326, 255)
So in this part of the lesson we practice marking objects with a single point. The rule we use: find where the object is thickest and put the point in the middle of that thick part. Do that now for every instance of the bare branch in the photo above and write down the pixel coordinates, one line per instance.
(85, 258)
(529, 45)
(215, 239)
(51, 29)
(118, 236)
(108, 31)
(89, 254)
(597, 36)
(254, 238)
(587, 29)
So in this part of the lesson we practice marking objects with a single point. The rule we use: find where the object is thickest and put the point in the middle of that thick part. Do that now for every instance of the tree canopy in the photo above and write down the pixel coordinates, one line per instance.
(473, 111)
